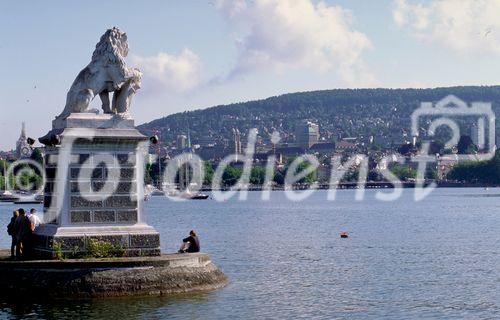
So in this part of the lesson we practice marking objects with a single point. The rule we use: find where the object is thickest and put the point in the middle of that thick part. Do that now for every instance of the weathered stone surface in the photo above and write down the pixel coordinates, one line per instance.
(81, 202)
(126, 159)
(104, 160)
(93, 278)
(82, 187)
(144, 240)
(120, 240)
(127, 173)
(80, 158)
(86, 173)
(127, 216)
(104, 216)
(70, 243)
(98, 185)
(82, 216)
(120, 202)
(126, 187)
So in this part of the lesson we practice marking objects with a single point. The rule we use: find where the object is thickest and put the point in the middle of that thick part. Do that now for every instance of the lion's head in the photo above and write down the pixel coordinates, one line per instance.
(113, 47)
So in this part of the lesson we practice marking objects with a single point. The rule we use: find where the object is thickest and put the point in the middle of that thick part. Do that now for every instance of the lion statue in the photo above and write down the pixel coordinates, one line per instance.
(107, 72)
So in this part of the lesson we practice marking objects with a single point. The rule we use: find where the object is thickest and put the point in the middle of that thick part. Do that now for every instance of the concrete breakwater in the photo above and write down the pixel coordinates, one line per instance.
(113, 277)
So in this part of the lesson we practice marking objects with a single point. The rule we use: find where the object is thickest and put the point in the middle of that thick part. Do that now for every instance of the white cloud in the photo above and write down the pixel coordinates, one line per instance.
(462, 25)
(179, 73)
(296, 34)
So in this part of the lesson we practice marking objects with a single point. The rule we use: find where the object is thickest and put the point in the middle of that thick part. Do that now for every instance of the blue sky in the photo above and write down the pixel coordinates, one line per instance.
(196, 54)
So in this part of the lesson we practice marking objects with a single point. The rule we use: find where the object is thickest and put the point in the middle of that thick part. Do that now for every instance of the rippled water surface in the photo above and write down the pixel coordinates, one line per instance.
(437, 258)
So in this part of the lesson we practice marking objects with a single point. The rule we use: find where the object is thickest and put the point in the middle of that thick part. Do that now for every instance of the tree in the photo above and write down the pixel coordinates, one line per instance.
(231, 175)
(403, 172)
(258, 175)
(309, 179)
(477, 171)
(209, 173)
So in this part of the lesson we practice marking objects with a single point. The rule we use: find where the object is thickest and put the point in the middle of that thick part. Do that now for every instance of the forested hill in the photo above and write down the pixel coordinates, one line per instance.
(346, 112)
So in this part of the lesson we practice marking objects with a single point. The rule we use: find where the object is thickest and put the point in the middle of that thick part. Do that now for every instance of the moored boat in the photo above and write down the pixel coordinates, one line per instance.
(8, 196)
(31, 199)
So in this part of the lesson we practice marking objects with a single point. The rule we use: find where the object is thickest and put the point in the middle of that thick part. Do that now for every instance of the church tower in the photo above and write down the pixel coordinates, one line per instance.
(23, 149)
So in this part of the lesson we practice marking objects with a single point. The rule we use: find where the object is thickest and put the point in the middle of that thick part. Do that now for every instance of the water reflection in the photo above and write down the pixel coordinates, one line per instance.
(105, 308)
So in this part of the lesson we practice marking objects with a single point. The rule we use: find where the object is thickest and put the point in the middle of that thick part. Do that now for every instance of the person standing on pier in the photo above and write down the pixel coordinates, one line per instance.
(12, 233)
(34, 219)
(22, 229)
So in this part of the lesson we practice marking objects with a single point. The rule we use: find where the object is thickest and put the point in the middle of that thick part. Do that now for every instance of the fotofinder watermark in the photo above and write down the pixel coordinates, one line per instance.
(109, 174)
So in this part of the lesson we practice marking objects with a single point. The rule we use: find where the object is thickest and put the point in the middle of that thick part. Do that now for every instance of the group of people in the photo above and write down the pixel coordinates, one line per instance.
(21, 228)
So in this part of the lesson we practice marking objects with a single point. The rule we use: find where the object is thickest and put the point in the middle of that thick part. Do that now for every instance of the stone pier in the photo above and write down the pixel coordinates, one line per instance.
(92, 278)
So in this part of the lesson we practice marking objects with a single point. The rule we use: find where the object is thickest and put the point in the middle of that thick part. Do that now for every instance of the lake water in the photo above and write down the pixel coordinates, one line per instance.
(437, 258)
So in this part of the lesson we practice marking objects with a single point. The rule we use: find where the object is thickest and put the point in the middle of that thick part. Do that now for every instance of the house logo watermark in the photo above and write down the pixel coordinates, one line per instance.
(446, 112)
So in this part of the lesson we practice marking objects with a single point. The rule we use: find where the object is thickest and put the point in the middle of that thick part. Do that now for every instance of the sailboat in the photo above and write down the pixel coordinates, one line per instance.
(193, 196)
(187, 194)
(6, 195)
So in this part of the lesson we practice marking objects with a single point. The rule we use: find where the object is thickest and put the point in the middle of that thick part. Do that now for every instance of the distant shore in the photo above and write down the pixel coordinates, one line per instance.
(367, 185)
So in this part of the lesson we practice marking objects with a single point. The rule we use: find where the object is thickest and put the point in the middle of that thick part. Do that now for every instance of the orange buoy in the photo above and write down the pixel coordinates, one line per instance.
(344, 235)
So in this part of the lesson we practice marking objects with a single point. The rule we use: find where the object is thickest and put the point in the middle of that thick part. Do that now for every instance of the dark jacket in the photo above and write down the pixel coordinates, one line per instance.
(10, 228)
(22, 228)
(194, 244)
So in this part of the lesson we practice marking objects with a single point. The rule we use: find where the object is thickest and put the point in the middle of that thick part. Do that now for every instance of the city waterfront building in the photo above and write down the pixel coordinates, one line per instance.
(307, 134)
(181, 142)
(237, 141)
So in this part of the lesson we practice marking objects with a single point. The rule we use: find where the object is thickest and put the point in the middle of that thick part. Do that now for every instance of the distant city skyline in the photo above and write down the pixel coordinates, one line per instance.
(199, 54)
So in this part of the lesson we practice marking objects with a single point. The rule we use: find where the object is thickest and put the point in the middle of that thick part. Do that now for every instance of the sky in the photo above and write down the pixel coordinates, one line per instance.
(196, 54)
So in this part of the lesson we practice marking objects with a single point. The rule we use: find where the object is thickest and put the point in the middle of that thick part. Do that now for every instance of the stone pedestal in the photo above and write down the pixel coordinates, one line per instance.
(94, 187)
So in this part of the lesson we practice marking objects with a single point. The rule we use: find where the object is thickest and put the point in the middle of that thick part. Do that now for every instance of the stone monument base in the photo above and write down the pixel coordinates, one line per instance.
(94, 188)
(134, 241)
(93, 278)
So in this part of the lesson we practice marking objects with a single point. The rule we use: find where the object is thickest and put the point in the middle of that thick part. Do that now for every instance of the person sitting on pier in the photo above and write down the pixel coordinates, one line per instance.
(11, 231)
(191, 243)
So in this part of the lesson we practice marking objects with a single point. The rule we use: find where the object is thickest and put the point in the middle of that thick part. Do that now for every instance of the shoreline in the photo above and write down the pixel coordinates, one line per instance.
(354, 185)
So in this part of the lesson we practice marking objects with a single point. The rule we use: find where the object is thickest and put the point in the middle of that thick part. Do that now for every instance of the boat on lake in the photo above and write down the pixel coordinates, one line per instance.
(157, 192)
(194, 196)
(188, 195)
(29, 199)
(8, 196)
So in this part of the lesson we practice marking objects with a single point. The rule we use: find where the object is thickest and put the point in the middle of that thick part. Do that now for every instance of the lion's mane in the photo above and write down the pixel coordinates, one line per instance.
(112, 48)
